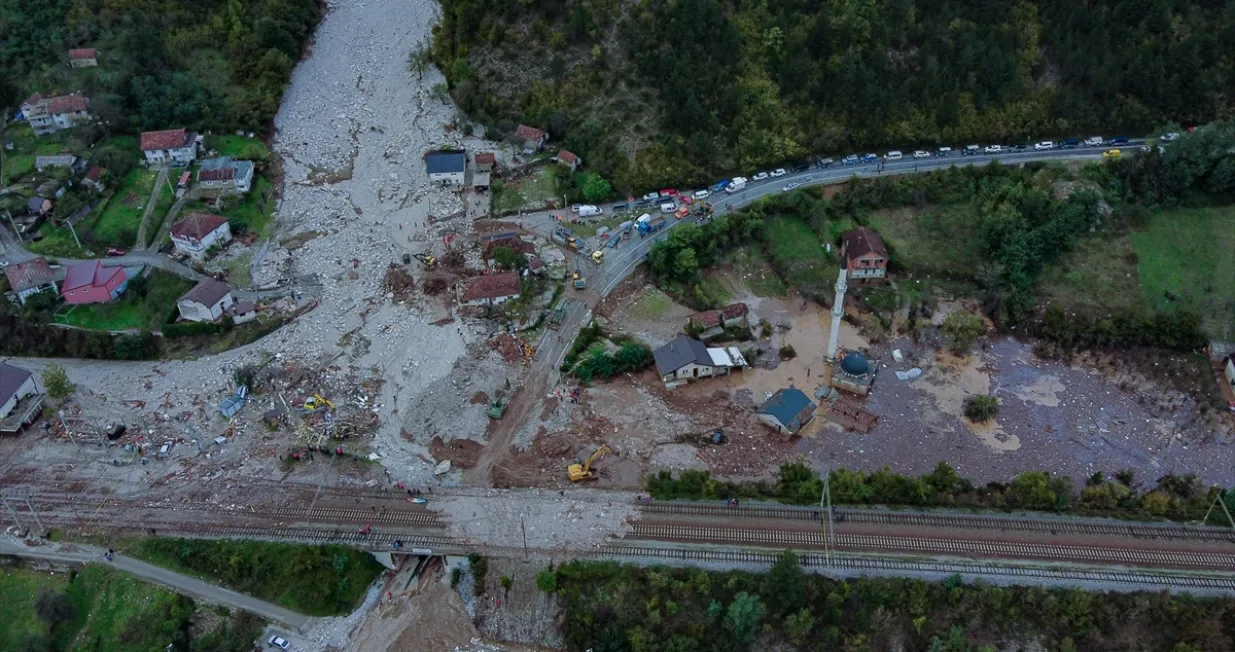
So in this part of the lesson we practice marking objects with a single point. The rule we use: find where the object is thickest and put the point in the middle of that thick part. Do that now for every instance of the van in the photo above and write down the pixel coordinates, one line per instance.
(893, 155)
(587, 210)
(618, 208)
(945, 151)
(668, 207)
(1070, 143)
(971, 150)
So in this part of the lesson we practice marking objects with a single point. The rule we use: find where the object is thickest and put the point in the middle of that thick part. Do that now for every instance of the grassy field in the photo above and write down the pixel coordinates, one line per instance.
(134, 309)
(799, 256)
(1181, 259)
(111, 611)
(651, 304)
(167, 197)
(935, 241)
(752, 272)
(530, 193)
(118, 223)
(57, 241)
(240, 147)
(315, 580)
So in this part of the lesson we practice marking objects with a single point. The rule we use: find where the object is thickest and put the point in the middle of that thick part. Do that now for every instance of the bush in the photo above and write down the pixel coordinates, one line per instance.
(981, 408)
(56, 382)
(961, 329)
(480, 571)
(55, 607)
(788, 352)
(546, 580)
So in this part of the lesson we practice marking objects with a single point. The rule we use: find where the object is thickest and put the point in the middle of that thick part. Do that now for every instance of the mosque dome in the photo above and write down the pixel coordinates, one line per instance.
(856, 364)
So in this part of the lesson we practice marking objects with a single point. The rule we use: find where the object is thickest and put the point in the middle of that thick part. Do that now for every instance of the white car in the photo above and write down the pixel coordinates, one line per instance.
(759, 177)
(701, 194)
(1096, 141)
(1044, 145)
(1174, 135)
(778, 172)
(893, 155)
(945, 151)
(993, 149)
(921, 154)
(651, 196)
(790, 186)
(279, 642)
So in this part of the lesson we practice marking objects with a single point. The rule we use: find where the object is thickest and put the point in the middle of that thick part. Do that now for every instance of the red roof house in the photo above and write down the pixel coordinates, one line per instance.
(484, 161)
(30, 277)
(66, 104)
(568, 159)
(706, 319)
(492, 289)
(83, 53)
(866, 257)
(197, 232)
(168, 139)
(533, 138)
(90, 282)
(734, 314)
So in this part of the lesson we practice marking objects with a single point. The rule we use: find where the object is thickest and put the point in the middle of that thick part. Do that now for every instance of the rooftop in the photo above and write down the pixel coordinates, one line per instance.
(862, 241)
(492, 286)
(167, 139)
(29, 275)
(790, 406)
(197, 225)
(207, 292)
(680, 352)
(567, 157)
(83, 53)
(529, 133)
(707, 318)
(734, 310)
(88, 273)
(483, 158)
(66, 104)
(446, 162)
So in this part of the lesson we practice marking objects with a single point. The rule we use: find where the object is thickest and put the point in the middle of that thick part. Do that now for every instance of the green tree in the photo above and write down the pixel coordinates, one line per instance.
(55, 607)
(508, 258)
(961, 329)
(955, 641)
(687, 265)
(506, 582)
(546, 580)
(595, 188)
(798, 627)
(784, 587)
(981, 407)
(743, 617)
(56, 382)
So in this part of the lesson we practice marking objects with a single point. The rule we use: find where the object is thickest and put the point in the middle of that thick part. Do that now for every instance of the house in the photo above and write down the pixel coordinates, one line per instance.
(786, 411)
(223, 175)
(90, 282)
(83, 58)
(446, 168)
(48, 115)
(169, 147)
(207, 301)
(197, 232)
(492, 289)
(20, 400)
(735, 315)
(707, 322)
(866, 258)
(241, 312)
(685, 359)
(57, 161)
(533, 139)
(38, 206)
(509, 240)
(30, 277)
(853, 373)
(94, 178)
(568, 159)
(483, 161)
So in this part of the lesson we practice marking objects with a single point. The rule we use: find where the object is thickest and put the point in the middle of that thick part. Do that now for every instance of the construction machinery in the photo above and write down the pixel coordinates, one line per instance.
(497, 407)
(313, 403)
(555, 317)
(583, 471)
(580, 282)
(598, 256)
(425, 259)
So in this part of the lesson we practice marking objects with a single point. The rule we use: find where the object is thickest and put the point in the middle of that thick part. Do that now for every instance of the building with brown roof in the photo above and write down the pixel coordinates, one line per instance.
(865, 256)
(568, 159)
(483, 161)
(83, 58)
(533, 139)
(30, 277)
(207, 301)
(170, 146)
(224, 175)
(491, 289)
(48, 115)
(735, 314)
(94, 178)
(514, 242)
(197, 232)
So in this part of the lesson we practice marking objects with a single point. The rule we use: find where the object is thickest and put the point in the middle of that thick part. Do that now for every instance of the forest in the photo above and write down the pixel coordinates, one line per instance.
(614, 608)
(215, 64)
(684, 91)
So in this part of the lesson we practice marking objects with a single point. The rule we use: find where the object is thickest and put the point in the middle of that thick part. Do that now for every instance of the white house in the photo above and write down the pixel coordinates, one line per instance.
(173, 146)
(207, 301)
(685, 359)
(48, 115)
(446, 168)
(20, 400)
(492, 289)
(224, 175)
(198, 232)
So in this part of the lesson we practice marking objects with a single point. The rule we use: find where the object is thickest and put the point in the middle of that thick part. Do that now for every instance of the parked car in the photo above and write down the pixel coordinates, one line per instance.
(993, 149)
(1070, 143)
(720, 186)
(1174, 135)
(921, 154)
(112, 251)
(1095, 141)
(869, 158)
(669, 192)
(945, 151)
(587, 210)
(1019, 148)
(1043, 146)
(759, 177)
(893, 155)
(790, 186)
(279, 642)
(1111, 153)
(824, 163)
(702, 194)
(1118, 140)
(970, 150)
(651, 196)
(618, 208)
(778, 172)
(668, 207)
(852, 159)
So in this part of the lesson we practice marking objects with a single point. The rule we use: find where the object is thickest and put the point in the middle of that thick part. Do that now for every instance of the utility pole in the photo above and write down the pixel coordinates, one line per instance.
(42, 530)
(825, 501)
(69, 222)
(16, 233)
(12, 512)
(1221, 503)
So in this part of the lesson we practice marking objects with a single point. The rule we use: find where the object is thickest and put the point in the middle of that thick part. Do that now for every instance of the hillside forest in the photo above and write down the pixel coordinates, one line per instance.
(682, 91)
(214, 64)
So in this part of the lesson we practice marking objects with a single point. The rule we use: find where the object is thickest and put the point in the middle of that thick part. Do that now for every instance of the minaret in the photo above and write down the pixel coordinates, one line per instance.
(838, 311)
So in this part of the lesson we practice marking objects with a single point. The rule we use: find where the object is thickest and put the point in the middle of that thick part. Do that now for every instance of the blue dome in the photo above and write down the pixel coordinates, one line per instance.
(856, 364)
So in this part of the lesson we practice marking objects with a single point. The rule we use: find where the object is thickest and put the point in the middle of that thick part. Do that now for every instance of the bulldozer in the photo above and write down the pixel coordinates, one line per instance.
(583, 471)
(425, 259)
(316, 401)
(497, 407)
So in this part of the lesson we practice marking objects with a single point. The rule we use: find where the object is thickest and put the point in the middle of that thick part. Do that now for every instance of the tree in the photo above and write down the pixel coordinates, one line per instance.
(546, 580)
(798, 627)
(506, 582)
(954, 642)
(595, 188)
(784, 587)
(743, 616)
(55, 607)
(788, 352)
(56, 382)
(509, 258)
(981, 408)
(961, 329)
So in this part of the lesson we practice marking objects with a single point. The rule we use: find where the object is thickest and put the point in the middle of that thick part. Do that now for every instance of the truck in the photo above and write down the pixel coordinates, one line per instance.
(652, 225)
(555, 317)
(598, 256)
(580, 282)
(736, 185)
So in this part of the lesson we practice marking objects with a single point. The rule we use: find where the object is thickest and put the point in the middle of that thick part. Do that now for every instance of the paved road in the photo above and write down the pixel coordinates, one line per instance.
(84, 554)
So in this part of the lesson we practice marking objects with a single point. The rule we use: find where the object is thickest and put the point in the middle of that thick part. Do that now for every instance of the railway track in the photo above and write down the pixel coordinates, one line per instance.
(918, 545)
(954, 521)
(1140, 580)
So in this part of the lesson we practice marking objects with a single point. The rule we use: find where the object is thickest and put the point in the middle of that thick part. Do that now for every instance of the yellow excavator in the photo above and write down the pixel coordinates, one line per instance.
(583, 471)
(316, 401)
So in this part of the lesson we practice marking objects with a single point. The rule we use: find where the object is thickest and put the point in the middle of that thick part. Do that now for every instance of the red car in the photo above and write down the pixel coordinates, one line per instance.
(669, 192)
(115, 252)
